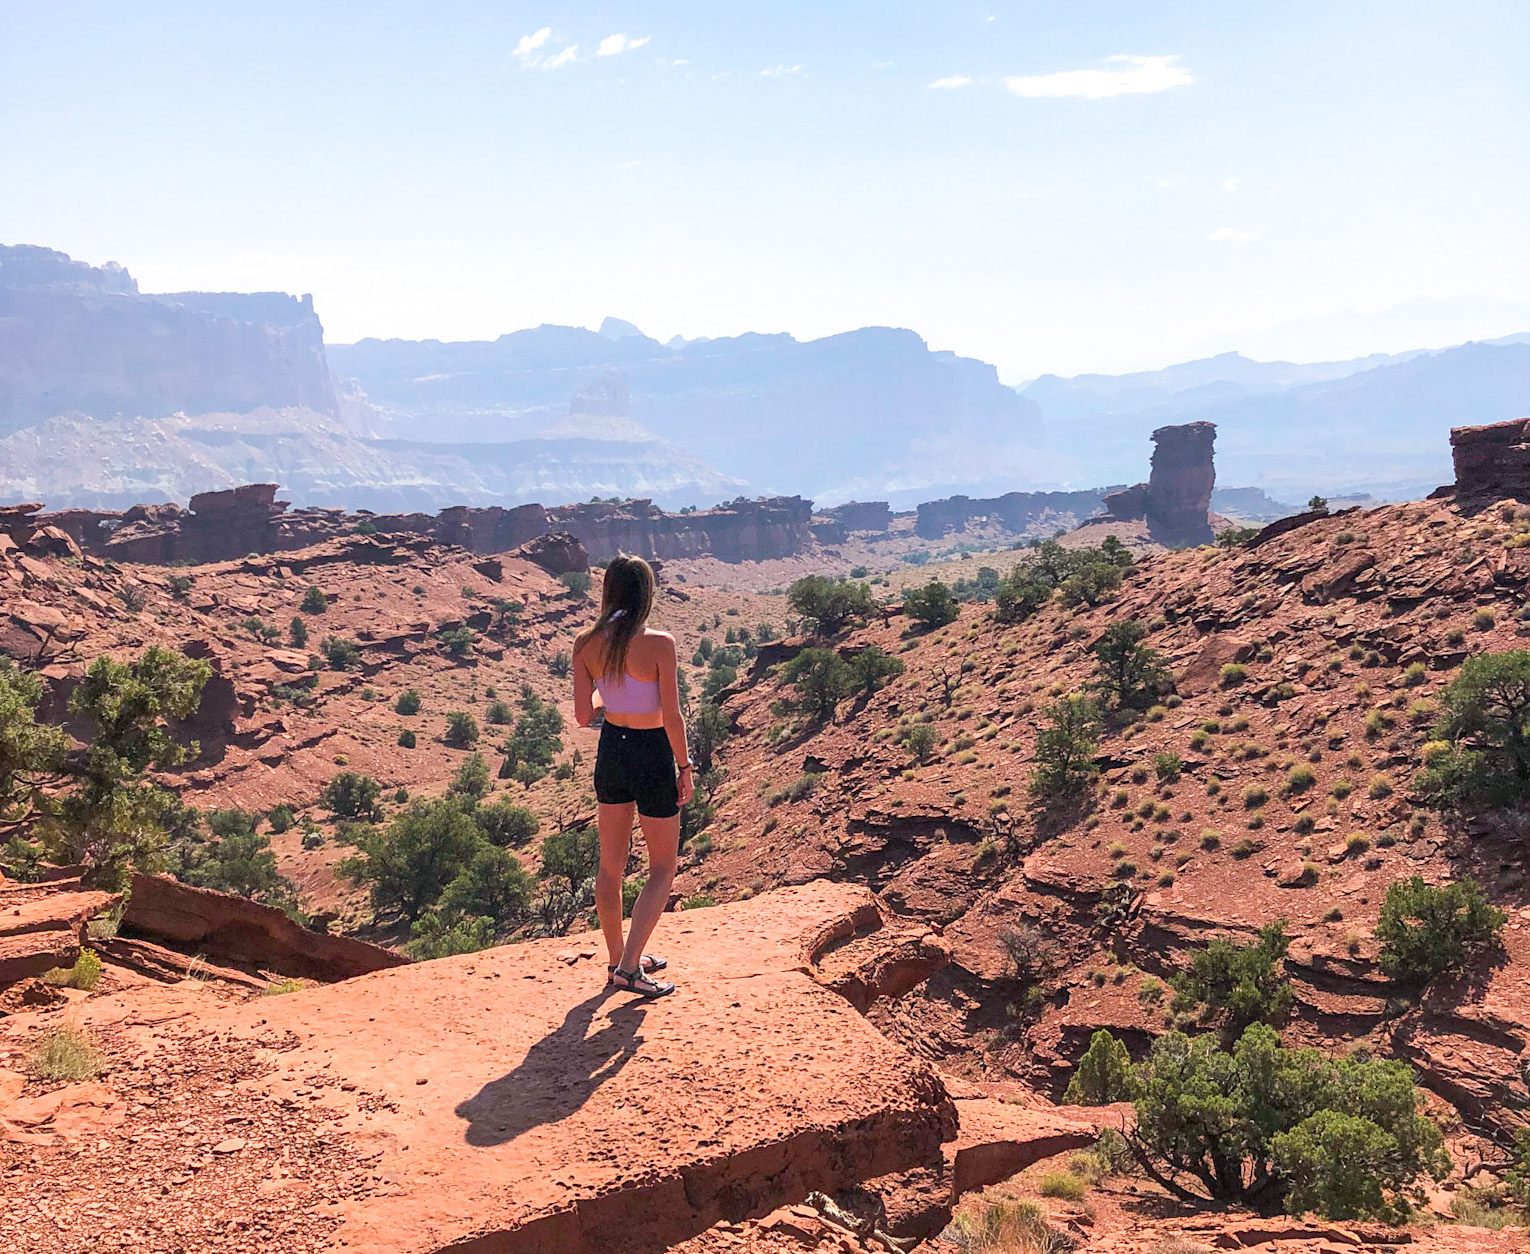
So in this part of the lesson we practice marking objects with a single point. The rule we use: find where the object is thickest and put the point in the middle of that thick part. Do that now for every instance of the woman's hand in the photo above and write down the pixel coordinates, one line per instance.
(687, 784)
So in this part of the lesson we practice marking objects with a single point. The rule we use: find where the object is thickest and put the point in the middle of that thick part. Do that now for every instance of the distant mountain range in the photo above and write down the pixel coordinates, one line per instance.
(110, 396)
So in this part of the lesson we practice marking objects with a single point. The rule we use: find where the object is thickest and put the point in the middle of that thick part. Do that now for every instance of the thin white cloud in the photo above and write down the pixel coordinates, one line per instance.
(527, 49)
(672, 65)
(1231, 185)
(780, 71)
(951, 83)
(615, 45)
(1129, 76)
(1168, 180)
(1038, 193)
(627, 165)
(1231, 235)
(882, 65)
(571, 53)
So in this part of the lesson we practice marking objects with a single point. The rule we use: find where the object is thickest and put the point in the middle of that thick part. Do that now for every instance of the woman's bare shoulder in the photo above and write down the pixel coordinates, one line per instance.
(659, 641)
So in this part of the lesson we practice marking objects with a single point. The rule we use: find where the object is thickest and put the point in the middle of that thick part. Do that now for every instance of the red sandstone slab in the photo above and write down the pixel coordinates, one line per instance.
(999, 1139)
(518, 1106)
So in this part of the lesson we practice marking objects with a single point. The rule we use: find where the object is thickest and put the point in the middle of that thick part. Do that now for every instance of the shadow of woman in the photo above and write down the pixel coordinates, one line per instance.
(557, 1076)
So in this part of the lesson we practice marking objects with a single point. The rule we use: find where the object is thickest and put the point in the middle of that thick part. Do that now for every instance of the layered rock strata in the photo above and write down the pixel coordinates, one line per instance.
(236, 522)
(1492, 460)
(1176, 499)
(1014, 511)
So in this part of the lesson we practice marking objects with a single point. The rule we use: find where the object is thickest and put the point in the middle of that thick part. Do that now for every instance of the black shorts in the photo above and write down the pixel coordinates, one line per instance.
(637, 764)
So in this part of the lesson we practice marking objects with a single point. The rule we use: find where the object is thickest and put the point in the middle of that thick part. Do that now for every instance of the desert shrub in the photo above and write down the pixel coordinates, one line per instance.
(931, 606)
(297, 633)
(822, 680)
(1233, 674)
(408, 864)
(314, 601)
(461, 729)
(230, 856)
(1103, 1075)
(560, 665)
(499, 713)
(919, 739)
(66, 1052)
(1427, 930)
(1020, 594)
(84, 975)
(280, 817)
(180, 587)
(458, 641)
(340, 653)
(1064, 1185)
(1269, 1126)
(872, 669)
(1245, 984)
(1299, 778)
(407, 739)
(1065, 749)
(504, 823)
(1127, 672)
(1167, 766)
(1414, 675)
(829, 605)
(436, 935)
(1486, 723)
(1091, 584)
(576, 581)
(408, 702)
(471, 779)
(536, 740)
(351, 795)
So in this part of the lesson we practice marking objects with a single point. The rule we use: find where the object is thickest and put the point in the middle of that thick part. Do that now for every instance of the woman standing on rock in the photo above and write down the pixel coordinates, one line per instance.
(632, 669)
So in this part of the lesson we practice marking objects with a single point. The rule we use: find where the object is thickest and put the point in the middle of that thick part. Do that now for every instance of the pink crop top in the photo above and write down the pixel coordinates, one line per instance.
(623, 694)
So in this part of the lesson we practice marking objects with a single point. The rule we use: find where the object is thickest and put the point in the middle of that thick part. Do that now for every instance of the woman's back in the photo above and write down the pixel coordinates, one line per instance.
(634, 691)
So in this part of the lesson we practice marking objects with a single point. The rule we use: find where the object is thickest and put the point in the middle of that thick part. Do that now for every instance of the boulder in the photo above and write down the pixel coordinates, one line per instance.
(558, 553)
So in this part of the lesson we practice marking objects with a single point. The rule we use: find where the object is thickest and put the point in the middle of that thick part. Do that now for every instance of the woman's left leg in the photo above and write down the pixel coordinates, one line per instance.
(615, 825)
(662, 837)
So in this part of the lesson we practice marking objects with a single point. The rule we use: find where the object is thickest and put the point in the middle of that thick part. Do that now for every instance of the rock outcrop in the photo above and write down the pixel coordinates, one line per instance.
(1493, 460)
(1176, 499)
(834, 526)
(42, 926)
(75, 338)
(1014, 511)
(221, 526)
(224, 926)
(508, 1100)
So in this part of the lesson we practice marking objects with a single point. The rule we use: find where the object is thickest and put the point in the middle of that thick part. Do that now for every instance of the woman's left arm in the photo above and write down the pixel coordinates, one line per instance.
(674, 721)
(584, 691)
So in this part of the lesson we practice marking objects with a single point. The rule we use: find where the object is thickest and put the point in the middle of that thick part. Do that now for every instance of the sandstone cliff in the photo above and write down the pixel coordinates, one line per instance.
(1492, 460)
(77, 338)
(1014, 511)
(220, 526)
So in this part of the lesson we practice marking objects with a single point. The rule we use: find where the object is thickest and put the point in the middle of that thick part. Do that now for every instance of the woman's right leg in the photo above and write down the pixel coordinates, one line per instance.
(615, 825)
(662, 837)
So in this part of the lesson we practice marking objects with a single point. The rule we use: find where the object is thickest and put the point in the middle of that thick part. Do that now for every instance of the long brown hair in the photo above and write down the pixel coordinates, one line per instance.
(626, 600)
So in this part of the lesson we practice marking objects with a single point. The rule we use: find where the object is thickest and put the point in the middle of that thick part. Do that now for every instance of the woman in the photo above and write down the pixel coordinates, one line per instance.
(631, 669)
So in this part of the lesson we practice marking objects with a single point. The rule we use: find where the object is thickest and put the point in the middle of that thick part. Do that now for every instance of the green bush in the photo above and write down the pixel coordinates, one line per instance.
(281, 818)
(504, 823)
(829, 605)
(576, 581)
(1233, 674)
(919, 739)
(1063, 1184)
(351, 795)
(1065, 750)
(66, 1052)
(931, 606)
(872, 669)
(1485, 721)
(314, 601)
(1092, 584)
(297, 633)
(340, 653)
(822, 679)
(1103, 1075)
(1020, 594)
(1267, 1126)
(1245, 984)
(471, 779)
(408, 864)
(408, 702)
(458, 641)
(407, 739)
(461, 729)
(1127, 672)
(1427, 930)
(1167, 766)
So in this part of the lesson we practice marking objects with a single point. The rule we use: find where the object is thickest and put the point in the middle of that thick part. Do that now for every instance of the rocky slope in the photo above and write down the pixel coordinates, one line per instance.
(1324, 620)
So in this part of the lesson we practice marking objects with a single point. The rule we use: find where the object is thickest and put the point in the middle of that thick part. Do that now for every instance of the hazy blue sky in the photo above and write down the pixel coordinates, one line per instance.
(1049, 186)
